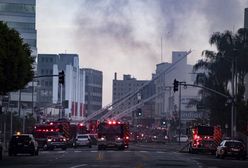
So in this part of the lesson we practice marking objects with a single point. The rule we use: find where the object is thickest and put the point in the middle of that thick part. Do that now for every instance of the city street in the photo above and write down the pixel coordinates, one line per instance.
(137, 156)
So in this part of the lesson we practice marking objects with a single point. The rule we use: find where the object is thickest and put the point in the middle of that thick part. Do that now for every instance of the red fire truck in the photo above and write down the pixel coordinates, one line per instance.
(50, 131)
(204, 138)
(113, 134)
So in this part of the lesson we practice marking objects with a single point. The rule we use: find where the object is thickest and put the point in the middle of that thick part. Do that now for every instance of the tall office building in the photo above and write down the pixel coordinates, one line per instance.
(20, 15)
(92, 90)
(51, 93)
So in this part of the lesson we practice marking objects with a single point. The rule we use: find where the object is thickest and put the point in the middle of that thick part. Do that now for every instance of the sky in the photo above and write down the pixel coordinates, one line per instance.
(124, 36)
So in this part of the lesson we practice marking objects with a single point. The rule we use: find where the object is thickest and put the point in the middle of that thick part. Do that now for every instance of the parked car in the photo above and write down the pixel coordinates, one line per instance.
(23, 143)
(231, 148)
(58, 141)
(82, 140)
(183, 138)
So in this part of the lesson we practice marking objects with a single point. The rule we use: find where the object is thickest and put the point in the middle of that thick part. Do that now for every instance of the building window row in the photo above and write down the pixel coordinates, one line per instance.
(46, 71)
(46, 83)
(93, 98)
(18, 8)
(21, 25)
(93, 89)
(47, 59)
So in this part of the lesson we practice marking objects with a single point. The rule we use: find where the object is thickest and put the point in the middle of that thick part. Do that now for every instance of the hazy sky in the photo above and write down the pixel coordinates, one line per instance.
(124, 36)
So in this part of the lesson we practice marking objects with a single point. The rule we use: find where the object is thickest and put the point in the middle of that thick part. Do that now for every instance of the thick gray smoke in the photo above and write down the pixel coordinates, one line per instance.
(124, 36)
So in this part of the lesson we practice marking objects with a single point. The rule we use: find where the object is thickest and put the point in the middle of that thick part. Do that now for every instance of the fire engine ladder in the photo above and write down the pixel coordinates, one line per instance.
(132, 94)
(129, 110)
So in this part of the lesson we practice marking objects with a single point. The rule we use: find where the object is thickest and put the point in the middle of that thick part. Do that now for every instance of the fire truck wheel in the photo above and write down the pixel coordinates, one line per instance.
(45, 147)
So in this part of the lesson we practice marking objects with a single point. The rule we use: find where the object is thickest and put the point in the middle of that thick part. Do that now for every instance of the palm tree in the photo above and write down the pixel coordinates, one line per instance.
(217, 66)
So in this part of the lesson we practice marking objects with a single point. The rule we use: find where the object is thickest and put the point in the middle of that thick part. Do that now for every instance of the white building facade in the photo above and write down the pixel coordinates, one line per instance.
(167, 104)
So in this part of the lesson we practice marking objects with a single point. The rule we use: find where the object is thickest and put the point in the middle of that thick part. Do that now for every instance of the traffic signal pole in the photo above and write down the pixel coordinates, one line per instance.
(179, 113)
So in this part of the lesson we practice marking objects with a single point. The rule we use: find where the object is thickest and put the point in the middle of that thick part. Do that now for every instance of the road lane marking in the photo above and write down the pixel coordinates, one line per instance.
(93, 151)
(78, 151)
(82, 165)
(143, 151)
(61, 152)
(160, 152)
(99, 156)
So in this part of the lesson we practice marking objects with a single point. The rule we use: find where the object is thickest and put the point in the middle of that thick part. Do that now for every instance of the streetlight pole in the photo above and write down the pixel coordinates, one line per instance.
(232, 108)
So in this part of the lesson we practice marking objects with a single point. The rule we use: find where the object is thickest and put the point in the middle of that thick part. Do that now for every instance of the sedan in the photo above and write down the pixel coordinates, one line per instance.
(231, 148)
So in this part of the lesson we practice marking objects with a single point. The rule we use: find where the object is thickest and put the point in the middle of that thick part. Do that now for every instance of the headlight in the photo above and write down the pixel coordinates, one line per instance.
(49, 140)
(102, 138)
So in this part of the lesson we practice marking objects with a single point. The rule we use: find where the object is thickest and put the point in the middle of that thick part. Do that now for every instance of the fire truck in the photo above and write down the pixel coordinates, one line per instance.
(51, 132)
(113, 134)
(204, 138)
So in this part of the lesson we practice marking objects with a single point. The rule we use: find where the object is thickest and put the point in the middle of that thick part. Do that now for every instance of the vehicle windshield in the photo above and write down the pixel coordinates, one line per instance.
(83, 137)
(233, 144)
(21, 138)
(108, 129)
(38, 134)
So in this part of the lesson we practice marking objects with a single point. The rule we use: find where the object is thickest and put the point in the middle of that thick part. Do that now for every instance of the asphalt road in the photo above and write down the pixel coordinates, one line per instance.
(137, 156)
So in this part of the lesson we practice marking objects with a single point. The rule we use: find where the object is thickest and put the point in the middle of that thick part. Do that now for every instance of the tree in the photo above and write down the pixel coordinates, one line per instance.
(231, 48)
(15, 61)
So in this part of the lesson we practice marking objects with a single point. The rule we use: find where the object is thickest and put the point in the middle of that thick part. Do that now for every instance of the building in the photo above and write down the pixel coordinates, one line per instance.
(20, 15)
(93, 80)
(122, 88)
(246, 18)
(167, 104)
(80, 95)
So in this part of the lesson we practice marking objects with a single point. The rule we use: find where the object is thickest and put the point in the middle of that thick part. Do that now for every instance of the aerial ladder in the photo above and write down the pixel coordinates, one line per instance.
(130, 95)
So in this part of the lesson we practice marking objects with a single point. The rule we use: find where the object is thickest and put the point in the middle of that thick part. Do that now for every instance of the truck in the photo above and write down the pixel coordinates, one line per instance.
(204, 138)
(45, 133)
(113, 134)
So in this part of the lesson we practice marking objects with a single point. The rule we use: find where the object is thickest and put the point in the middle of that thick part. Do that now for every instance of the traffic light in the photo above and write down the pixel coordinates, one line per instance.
(61, 77)
(139, 112)
(175, 85)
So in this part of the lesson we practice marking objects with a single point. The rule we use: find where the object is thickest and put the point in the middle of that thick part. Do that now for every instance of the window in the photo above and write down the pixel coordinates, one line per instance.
(18, 8)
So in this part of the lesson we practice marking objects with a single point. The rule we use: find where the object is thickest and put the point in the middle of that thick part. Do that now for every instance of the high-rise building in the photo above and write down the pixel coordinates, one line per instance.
(81, 93)
(20, 15)
(93, 89)
(51, 94)
(46, 63)
(246, 18)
